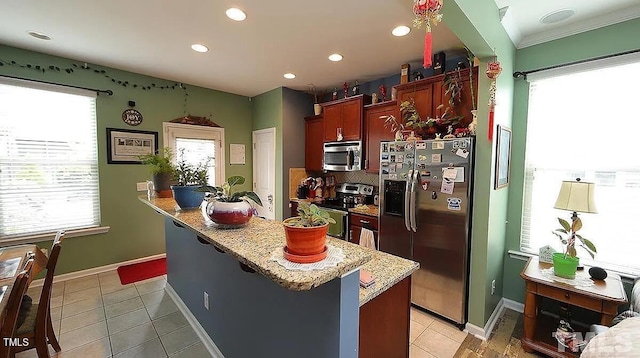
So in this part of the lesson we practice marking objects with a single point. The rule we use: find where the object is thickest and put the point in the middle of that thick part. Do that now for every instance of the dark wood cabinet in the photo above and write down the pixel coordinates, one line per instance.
(344, 115)
(357, 222)
(375, 132)
(429, 94)
(314, 143)
(462, 108)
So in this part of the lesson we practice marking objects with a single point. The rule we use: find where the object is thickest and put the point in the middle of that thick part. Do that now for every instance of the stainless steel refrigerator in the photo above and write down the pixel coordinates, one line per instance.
(425, 215)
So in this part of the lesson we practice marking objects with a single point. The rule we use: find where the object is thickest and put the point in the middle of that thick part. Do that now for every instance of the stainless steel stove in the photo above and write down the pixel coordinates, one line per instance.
(348, 195)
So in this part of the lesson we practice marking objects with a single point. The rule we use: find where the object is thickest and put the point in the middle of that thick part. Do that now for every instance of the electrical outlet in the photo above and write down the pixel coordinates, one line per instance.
(142, 186)
(493, 287)
(206, 300)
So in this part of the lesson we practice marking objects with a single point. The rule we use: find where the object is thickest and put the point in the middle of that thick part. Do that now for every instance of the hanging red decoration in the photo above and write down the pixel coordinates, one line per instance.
(493, 71)
(427, 12)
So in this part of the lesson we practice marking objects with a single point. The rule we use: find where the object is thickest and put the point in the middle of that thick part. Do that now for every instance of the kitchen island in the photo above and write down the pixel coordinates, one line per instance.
(257, 308)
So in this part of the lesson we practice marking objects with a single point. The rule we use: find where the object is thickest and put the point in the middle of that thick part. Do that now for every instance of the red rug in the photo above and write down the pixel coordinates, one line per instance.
(142, 271)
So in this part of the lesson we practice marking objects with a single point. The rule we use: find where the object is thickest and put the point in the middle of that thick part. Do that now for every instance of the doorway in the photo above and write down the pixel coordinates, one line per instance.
(264, 170)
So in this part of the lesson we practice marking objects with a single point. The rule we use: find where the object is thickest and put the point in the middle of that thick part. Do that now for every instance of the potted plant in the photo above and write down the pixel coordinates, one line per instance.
(161, 171)
(565, 263)
(306, 233)
(229, 208)
(189, 181)
(412, 121)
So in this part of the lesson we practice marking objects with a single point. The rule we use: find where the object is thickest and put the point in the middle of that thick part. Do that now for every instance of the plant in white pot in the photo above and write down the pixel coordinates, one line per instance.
(306, 234)
(227, 207)
(161, 171)
(189, 181)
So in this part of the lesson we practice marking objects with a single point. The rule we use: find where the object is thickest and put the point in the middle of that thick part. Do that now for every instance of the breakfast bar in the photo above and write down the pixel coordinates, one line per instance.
(256, 307)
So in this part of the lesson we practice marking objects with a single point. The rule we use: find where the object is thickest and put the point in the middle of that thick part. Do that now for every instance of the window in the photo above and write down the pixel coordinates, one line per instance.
(581, 123)
(199, 144)
(48, 159)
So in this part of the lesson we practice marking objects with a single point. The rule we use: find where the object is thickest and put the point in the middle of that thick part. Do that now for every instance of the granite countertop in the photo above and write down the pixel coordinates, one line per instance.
(387, 270)
(371, 210)
(254, 243)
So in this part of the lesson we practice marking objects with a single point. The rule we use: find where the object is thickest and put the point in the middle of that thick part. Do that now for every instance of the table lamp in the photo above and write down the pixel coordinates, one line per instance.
(576, 196)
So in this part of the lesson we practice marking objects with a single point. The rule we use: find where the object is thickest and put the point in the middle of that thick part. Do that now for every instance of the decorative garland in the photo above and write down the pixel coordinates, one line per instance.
(86, 67)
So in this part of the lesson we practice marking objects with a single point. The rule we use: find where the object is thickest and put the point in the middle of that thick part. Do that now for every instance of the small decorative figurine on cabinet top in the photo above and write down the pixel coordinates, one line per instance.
(374, 98)
(335, 94)
(383, 92)
(356, 88)
(345, 86)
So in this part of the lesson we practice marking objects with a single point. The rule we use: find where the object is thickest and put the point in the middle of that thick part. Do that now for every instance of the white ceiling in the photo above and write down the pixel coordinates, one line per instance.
(153, 37)
(522, 19)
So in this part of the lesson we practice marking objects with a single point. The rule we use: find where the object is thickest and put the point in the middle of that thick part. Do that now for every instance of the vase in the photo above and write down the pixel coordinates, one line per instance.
(565, 267)
(317, 109)
(305, 241)
(187, 197)
(162, 184)
(229, 215)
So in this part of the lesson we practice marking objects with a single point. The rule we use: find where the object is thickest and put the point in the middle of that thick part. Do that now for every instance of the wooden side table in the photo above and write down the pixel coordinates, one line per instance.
(604, 297)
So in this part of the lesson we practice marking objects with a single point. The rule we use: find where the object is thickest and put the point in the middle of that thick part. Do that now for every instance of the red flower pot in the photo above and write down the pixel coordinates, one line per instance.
(305, 241)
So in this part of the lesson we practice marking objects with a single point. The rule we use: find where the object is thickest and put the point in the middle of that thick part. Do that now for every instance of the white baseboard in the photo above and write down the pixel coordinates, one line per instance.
(202, 334)
(96, 270)
(513, 305)
(483, 333)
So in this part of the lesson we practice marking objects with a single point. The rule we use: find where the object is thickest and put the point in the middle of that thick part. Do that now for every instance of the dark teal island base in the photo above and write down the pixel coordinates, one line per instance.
(249, 315)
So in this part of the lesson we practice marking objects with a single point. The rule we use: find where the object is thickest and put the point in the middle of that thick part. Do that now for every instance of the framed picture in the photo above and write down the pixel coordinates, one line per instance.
(503, 157)
(125, 145)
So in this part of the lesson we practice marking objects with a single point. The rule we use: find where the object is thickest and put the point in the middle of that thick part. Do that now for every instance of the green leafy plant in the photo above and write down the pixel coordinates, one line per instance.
(310, 215)
(454, 85)
(185, 173)
(412, 120)
(159, 162)
(227, 194)
(567, 234)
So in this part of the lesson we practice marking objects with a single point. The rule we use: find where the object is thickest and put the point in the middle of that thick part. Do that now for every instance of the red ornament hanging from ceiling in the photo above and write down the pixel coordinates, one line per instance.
(493, 71)
(427, 12)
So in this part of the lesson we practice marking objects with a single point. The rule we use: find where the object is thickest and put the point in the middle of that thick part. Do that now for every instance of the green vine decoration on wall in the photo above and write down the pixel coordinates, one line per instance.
(85, 67)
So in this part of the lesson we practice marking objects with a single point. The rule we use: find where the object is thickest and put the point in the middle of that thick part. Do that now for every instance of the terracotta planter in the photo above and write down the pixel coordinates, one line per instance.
(305, 241)
(229, 215)
(162, 185)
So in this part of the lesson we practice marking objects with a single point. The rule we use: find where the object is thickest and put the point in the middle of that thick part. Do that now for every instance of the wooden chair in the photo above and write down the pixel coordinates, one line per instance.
(7, 332)
(37, 327)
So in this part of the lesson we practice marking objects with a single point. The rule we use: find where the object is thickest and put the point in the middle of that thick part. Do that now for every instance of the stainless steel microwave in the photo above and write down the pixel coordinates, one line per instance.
(342, 156)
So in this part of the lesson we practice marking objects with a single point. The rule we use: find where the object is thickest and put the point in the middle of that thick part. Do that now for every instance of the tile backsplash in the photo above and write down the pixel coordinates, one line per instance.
(359, 176)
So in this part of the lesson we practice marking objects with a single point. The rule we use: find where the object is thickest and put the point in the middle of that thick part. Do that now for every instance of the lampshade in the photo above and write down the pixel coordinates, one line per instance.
(576, 196)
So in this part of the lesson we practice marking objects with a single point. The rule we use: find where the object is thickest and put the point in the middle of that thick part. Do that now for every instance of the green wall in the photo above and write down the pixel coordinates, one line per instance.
(478, 26)
(135, 230)
(608, 40)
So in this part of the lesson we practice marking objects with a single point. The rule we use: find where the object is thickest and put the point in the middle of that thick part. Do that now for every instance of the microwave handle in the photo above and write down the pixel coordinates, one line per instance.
(350, 158)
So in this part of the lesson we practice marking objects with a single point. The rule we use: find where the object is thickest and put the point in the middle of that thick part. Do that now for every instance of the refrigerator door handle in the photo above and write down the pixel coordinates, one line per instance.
(412, 208)
(407, 199)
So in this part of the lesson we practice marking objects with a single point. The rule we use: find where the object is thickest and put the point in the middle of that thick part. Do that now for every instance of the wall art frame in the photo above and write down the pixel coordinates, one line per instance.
(124, 146)
(503, 157)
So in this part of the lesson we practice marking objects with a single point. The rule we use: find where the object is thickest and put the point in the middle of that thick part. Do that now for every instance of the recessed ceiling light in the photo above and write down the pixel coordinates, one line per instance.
(557, 16)
(335, 57)
(289, 76)
(236, 14)
(39, 35)
(199, 48)
(401, 31)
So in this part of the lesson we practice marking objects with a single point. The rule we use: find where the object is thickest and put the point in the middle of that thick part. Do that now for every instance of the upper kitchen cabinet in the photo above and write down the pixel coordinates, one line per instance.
(314, 144)
(344, 116)
(375, 132)
(422, 93)
(464, 104)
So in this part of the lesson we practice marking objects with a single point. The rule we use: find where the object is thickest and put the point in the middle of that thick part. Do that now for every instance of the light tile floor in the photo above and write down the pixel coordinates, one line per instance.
(96, 316)
(431, 337)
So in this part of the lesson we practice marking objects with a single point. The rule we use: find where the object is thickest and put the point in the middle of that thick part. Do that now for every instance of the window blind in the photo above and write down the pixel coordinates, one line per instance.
(579, 125)
(48, 159)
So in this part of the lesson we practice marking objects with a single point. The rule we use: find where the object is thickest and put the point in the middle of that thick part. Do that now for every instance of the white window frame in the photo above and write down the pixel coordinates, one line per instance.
(171, 131)
(32, 237)
(525, 246)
